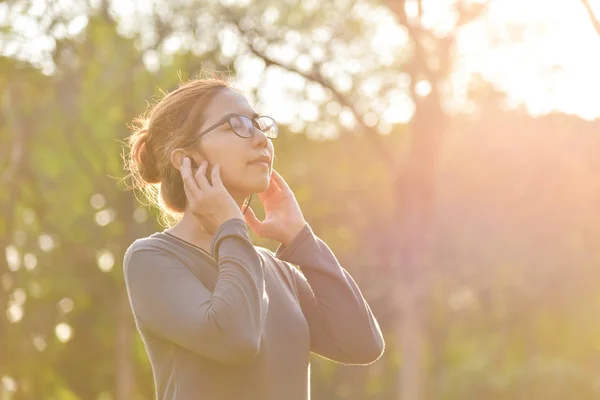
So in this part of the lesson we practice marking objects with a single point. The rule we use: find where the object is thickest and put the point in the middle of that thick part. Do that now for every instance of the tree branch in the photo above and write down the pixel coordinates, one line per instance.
(315, 76)
(593, 18)
(18, 157)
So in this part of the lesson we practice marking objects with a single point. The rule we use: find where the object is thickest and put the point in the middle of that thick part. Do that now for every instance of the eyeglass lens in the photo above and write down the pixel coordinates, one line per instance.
(244, 126)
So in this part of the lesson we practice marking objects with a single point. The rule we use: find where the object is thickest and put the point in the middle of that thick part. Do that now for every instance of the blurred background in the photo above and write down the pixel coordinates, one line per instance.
(446, 150)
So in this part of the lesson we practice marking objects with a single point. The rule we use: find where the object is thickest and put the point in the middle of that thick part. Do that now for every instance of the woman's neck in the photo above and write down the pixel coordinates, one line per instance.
(190, 229)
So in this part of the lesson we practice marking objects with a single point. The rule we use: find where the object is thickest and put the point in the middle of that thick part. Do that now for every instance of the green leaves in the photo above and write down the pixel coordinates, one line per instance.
(512, 308)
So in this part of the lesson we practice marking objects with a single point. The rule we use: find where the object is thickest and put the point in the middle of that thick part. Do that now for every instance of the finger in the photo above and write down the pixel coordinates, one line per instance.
(216, 176)
(189, 195)
(263, 196)
(252, 221)
(200, 176)
(190, 185)
(278, 179)
(273, 186)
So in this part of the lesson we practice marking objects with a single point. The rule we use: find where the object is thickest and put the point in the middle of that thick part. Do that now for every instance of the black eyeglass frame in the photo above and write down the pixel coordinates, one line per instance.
(227, 119)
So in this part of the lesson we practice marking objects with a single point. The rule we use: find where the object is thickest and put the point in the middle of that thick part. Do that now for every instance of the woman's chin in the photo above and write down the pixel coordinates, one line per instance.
(262, 186)
(256, 185)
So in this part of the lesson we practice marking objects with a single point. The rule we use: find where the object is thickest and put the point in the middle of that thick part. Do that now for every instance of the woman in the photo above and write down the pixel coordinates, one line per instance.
(219, 317)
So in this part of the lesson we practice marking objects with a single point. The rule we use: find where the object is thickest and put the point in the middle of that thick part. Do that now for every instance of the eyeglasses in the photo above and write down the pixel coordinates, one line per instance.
(244, 126)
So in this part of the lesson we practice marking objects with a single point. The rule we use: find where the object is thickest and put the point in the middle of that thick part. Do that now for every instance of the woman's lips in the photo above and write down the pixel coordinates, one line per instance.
(260, 163)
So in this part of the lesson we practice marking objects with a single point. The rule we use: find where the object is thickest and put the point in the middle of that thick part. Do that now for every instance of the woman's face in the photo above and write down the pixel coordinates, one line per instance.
(232, 152)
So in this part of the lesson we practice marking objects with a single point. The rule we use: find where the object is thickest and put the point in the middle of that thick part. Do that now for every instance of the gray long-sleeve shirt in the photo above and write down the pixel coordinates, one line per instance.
(241, 322)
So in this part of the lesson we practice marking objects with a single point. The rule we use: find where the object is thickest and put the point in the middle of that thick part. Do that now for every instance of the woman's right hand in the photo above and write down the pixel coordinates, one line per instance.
(210, 203)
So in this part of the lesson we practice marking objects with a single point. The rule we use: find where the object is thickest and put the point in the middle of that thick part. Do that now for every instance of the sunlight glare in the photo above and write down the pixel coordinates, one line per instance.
(9, 384)
(30, 261)
(12, 258)
(63, 332)
(14, 313)
(140, 215)
(423, 88)
(105, 217)
(371, 119)
(39, 343)
(333, 108)
(97, 201)
(552, 67)
(18, 297)
(309, 111)
(46, 242)
(400, 109)
(76, 25)
(347, 119)
(65, 305)
(105, 260)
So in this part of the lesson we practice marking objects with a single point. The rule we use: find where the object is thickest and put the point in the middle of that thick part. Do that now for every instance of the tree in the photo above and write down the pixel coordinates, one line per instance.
(66, 220)
(427, 62)
(592, 16)
(480, 307)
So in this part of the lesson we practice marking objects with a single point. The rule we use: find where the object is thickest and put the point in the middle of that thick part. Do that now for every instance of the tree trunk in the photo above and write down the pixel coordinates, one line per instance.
(124, 369)
(124, 358)
(125, 328)
(410, 334)
(414, 195)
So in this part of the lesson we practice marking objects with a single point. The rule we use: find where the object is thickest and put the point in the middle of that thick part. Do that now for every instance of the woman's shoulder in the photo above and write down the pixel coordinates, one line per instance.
(150, 247)
(154, 241)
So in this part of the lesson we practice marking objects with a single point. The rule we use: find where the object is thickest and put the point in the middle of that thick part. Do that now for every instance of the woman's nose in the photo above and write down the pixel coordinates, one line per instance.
(259, 139)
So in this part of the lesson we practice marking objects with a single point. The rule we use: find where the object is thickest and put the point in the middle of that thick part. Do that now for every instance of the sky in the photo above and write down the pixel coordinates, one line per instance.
(555, 66)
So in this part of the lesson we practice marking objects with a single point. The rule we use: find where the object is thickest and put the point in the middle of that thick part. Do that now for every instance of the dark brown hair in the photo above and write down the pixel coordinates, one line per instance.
(167, 125)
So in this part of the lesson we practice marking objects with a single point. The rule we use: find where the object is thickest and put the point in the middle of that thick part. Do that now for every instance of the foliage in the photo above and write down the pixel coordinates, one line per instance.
(512, 289)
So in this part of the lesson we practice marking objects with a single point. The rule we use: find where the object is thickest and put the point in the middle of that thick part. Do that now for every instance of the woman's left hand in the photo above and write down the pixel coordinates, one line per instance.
(283, 217)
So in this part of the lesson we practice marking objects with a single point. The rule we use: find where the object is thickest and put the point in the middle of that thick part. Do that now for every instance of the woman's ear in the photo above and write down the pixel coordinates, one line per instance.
(178, 155)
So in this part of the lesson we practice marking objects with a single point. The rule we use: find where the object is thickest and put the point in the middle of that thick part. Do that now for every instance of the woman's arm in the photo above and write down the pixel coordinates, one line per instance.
(342, 326)
(170, 302)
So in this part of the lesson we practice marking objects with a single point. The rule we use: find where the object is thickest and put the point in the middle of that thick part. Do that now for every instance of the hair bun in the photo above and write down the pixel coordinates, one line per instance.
(143, 157)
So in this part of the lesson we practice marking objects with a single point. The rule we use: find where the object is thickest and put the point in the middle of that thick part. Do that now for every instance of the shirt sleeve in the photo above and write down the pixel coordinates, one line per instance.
(169, 302)
(342, 326)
